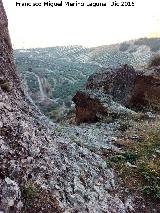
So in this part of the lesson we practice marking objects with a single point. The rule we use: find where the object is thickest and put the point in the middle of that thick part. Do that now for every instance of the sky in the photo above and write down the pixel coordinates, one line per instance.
(32, 27)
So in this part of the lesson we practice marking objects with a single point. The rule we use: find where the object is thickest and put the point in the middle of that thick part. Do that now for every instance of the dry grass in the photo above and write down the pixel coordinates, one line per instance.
(37, 199)
(138, 168)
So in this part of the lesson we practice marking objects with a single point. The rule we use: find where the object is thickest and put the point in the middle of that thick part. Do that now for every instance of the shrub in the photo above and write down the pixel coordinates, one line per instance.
(5, 85)
(124, 47)
(124, 126)
(131, 157)
(154, 61)
(36, 199)
(152, 191)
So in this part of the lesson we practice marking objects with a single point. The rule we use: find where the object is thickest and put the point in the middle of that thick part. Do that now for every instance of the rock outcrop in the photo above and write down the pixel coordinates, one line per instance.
(8, 78)
(44, 169)
(112, 90)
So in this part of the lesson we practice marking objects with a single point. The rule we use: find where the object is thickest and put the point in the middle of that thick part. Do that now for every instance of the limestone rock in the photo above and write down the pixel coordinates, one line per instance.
(94, 105)
(42, 169)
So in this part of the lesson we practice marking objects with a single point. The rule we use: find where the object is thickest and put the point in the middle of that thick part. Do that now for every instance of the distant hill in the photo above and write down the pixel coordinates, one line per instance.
(54, 74)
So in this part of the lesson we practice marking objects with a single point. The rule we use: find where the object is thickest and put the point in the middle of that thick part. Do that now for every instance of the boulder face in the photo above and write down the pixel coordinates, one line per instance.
(87, 108)
(108, 92)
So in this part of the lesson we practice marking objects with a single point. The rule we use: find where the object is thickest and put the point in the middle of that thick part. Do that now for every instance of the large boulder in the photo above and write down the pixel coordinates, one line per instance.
(107, 93)
(128, 87)
(94, 105)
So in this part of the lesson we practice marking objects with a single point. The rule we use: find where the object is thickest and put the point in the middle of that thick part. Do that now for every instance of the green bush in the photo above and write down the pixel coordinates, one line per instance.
(36, 199)
(153, 191)
(5, 86)
(154, 61)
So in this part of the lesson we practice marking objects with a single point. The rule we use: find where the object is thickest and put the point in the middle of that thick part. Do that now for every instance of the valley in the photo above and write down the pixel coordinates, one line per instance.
(53, 75)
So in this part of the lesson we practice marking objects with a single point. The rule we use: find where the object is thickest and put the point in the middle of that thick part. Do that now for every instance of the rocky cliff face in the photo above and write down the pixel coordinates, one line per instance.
(41, 169)
(8, 77)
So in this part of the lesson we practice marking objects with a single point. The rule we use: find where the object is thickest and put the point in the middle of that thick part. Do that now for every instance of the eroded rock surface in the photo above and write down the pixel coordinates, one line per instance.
(95, 105)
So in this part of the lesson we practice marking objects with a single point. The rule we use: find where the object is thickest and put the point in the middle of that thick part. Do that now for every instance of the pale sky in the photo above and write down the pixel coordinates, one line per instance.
(87, 26)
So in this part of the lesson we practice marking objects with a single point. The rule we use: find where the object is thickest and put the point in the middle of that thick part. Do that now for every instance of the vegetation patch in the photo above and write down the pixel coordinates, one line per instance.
(155, 61)
(124, 125)
(5, 86)
(138, 167)
(153, 43)
(37, 199)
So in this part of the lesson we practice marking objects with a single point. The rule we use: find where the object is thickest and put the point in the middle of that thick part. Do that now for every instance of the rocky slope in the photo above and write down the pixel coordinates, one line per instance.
(42, 169)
